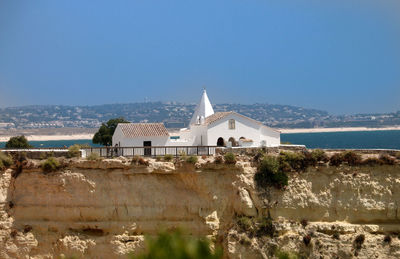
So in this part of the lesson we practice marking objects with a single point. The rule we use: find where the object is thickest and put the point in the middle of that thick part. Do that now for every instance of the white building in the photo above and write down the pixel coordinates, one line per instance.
(206, 129)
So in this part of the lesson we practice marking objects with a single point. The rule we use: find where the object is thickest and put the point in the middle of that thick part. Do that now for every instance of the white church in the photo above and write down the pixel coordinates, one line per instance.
(206, 128)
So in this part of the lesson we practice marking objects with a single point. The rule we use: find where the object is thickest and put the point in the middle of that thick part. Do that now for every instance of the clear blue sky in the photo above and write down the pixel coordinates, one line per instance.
(342, 57)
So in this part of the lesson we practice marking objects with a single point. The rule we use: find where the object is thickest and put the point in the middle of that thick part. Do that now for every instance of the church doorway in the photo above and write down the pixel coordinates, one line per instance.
(221, 142)
(233, 141)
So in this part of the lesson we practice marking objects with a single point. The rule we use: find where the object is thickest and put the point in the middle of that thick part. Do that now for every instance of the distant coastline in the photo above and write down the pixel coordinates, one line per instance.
(51, 137)
(344, 129)
(85, 135)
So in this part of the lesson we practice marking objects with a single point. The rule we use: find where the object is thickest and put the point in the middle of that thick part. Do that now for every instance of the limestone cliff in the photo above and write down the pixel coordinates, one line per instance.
(103, 209)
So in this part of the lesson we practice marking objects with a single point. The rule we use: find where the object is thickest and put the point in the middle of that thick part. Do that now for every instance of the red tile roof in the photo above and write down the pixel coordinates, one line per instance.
(133, 130)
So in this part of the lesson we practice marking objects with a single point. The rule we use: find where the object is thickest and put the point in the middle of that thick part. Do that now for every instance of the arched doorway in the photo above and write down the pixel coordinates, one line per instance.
(220, 142)
(233, 141)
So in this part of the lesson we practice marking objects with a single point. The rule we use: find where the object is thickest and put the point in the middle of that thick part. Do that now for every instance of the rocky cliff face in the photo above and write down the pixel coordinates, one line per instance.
(103, 209)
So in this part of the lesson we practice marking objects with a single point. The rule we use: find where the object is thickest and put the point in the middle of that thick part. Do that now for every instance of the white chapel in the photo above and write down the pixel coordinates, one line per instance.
(206, 128)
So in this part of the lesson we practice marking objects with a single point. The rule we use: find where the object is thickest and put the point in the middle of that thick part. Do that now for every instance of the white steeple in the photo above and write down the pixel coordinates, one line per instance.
(203, 110)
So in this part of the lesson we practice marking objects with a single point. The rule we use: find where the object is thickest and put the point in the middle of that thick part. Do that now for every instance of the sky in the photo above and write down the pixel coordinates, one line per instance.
(342, 57)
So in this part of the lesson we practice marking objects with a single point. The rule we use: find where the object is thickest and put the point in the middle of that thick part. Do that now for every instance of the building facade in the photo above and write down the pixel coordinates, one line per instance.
(229, 129)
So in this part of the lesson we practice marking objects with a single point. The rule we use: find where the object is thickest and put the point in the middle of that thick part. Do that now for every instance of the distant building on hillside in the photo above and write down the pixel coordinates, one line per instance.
(206, 128)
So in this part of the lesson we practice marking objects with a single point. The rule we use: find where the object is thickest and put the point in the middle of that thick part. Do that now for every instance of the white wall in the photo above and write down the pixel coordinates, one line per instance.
(243, 128)
(199, 135)
(271, 136)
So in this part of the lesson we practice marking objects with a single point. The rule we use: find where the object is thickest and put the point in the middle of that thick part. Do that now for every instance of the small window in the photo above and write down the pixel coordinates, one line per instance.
(231, 124)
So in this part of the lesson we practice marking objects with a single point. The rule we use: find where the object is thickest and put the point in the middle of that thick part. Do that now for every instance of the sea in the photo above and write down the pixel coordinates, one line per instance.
(382, 139)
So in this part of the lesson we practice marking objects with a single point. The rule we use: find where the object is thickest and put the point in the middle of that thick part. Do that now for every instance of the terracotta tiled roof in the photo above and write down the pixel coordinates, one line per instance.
(132, 130)
(215, 117)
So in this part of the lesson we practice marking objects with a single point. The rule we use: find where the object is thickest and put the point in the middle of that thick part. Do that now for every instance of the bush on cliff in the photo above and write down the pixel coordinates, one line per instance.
(372, 161)
(94, 157)
(50, 165)
(168, 157)
(175, 245)
(230, 158)
(74, 151)
(291, 161)
(387, 160)
(319, 155)
(352, 158)
(5, 160)
(336, 159)
(191, 160)
(269, 174)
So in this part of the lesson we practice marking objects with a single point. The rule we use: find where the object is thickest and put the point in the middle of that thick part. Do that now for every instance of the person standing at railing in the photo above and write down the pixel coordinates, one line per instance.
(116, 150)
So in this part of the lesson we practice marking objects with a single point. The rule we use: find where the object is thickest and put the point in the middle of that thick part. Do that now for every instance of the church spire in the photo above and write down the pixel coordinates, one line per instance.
(203, 109)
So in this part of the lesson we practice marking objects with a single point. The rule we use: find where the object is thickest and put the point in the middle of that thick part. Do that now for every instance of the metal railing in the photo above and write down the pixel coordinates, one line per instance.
(150, 151)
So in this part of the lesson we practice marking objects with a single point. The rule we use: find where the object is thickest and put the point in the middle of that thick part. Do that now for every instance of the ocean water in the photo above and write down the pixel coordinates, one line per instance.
(382, 139)
(57, 143)
(385, 139)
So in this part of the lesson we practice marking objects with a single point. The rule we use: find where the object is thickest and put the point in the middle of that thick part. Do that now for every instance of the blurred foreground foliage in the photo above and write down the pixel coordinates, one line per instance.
(176, 245)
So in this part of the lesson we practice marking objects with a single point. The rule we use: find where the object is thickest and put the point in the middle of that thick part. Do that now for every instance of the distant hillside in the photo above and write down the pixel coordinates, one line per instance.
(178, 115)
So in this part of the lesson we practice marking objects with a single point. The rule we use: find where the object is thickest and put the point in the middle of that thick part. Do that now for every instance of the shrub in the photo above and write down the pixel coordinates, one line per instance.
(259, 155)
(168, 157)
(359, 240)
(2, 165)
(387, 239)
(296, 161)
(218, 160)
(352, 158)
(319, 155)
(336, 235)
(304, 222)
(245, 223)
(5, 159)
(93, 156)
(74, 151)
(269, 174)
(372, 161)
(191, 160)
(266, 227)
(387, 160)
(245, 240)
(336, 159)
(18, 142)
(50, 165)
(307, 239)
(230, 158)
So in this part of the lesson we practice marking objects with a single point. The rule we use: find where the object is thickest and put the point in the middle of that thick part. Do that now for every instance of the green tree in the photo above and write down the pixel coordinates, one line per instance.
(175, 245)
(18, 142)
(104, 134)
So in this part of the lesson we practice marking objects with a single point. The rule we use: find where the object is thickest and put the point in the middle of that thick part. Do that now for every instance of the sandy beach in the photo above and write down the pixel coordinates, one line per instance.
(316, 130)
